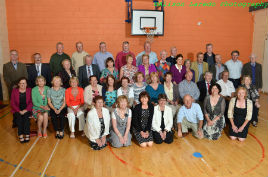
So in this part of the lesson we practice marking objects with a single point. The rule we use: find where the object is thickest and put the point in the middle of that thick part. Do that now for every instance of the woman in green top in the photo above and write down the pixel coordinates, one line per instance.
(40, 107)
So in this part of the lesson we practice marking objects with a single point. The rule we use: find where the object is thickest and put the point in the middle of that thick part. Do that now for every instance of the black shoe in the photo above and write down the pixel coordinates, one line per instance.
(61, 136)
(255, 124)
(27, 139)
(57, 136)
(22, 140)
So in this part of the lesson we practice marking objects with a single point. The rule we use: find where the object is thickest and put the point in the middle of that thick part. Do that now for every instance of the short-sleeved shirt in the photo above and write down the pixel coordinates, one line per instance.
(226, 88)
(193, 114)
(56, 97)
(235, 68)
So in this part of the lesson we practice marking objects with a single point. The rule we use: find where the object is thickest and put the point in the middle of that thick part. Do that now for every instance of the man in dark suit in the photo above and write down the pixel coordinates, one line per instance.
(13, 70)
(204, 86)
(87, 70)
(209, 56)
(217, 68)
(254, 70)
(38, 69)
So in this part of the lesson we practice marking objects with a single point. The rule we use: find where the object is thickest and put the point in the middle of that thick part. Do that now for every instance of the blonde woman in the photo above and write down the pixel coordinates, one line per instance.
(121, 121)
(254, 96)
(56, 102)
(239, 113)
(74, 97)
(154, 88)
(40, 105)
(66, 73)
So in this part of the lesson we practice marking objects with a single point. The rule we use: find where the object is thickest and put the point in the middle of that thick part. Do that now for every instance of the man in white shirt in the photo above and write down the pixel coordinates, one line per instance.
(147, 50)
(235, 68)
(78, 56)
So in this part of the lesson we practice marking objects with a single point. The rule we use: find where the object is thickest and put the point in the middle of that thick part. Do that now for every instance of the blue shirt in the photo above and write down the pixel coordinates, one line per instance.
(152, 58)
(234, 68)
(193, 115)
(100, 58)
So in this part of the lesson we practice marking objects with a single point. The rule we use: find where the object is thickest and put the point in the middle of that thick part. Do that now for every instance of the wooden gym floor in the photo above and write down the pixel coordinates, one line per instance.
(73, 157)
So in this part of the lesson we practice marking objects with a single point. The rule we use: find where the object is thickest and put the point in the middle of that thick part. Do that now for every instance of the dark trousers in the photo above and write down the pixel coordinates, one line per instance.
(227, 120)
(58, 119)
(23, 123)
(158, 139)
(236, 82)
(255, 113)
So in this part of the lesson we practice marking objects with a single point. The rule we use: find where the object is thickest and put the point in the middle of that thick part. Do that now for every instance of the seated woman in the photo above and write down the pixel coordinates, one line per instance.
(40, 106)
(121, 121)
(254, 96)
(128, 70)
(75, 100)
(138, 87)
(178, 70)
(92, 90)
(162, 121)
(56, 102)
(126, 90)
(97, 124)
(109, 93)
(66, 73)
(154, 88)
(142, 120)
(187, 64)
(21, 107)
(109, 70)
(146, 68)
(240, 113)
(214, 107)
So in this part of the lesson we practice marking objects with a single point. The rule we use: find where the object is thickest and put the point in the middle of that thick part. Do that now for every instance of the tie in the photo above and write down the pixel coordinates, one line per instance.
(88, 71)
(208, 86)
(38, 70)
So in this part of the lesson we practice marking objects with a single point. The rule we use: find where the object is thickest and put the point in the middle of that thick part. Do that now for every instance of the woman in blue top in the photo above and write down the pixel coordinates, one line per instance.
(109, 93)
(154, 88)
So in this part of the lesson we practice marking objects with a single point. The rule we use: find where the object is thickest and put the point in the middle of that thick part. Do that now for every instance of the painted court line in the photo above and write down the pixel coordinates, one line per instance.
(42, 175)
(28, 152)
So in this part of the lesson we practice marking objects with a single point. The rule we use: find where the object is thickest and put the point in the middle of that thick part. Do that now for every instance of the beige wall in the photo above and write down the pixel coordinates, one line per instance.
(260, 36)
(4, 44)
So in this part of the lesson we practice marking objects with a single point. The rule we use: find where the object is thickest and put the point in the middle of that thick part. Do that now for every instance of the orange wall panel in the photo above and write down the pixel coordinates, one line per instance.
(36, 26)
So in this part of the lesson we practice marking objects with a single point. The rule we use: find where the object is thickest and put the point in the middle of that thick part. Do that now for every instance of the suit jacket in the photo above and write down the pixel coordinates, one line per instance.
(203, 89)
(45, 72)
(65, 78)
(11, 75)
(15, 100)
(194, 66)
(212, 68)
(246, 70)
(82, 75)
(206, 57)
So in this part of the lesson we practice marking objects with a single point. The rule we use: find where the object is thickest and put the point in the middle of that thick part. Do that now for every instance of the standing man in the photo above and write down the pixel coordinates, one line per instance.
(121, 56)
(254, 70)
(38, 69)
(209, 56)
(57, 58)
(217, 68)
(87, 70)
(199, 67)
(235, 68)
(172, 58)
(13, 70)
(78, 56)
(101, 56)
(162, 65)
(148, 51)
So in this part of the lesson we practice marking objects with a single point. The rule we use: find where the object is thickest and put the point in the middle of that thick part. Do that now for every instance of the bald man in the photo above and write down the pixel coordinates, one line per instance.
(190, 116)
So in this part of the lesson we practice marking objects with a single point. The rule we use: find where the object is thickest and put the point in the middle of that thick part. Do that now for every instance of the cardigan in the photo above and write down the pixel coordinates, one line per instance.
(136, 117)
(88, 94)
(176, 75)
(232, 105)
(37, 98)
(15, 100)
(65, 78)
(151, 69)
(92, 128)
(168, 119)
(70, 100)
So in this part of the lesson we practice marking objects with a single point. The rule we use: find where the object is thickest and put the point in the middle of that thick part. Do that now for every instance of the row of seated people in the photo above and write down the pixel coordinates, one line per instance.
(42, 100)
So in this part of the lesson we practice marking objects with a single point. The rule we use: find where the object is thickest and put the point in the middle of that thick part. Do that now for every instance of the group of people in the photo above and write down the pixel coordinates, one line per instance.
(144, 97)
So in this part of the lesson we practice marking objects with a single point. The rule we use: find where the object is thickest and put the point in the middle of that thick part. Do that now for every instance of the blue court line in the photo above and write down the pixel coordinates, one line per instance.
(24, 169)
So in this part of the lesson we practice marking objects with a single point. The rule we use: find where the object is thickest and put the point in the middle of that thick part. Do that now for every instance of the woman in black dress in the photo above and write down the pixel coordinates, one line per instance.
(239, 113)
(142, 121)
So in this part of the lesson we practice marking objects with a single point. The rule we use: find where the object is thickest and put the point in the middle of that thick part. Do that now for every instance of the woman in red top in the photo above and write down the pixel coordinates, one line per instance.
(75, 100)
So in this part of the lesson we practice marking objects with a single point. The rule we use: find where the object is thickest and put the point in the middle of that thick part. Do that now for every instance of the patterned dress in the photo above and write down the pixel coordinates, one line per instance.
(110, 98)
(130, 73)
(214, 132)
(107, 72)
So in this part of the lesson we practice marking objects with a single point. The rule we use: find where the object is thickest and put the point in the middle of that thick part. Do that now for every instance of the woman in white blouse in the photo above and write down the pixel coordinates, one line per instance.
(126, 90)
(91, 91)
(97, 124)
(162, 121)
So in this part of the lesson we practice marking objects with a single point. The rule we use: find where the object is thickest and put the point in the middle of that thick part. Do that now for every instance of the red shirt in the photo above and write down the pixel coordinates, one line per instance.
(71, 100)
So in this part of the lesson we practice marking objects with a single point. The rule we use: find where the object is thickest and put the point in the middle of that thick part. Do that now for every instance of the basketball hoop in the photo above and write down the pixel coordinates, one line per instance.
(150, 32)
